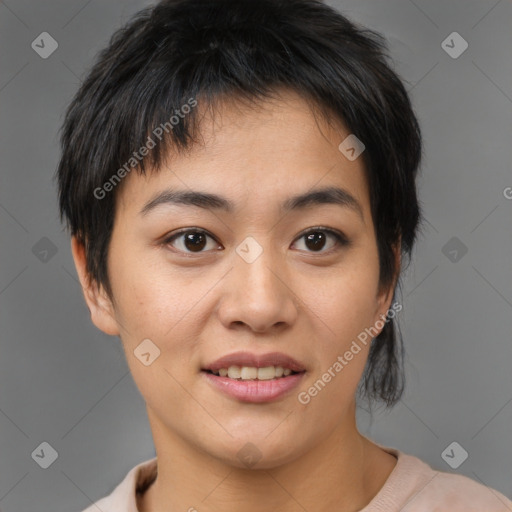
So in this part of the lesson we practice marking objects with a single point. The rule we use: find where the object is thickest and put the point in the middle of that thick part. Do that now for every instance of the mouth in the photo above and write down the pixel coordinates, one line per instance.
(251, 373)
(248, 365)
(254, 378)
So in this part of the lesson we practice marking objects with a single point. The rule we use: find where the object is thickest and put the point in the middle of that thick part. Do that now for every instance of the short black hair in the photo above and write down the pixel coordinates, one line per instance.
(183, 51)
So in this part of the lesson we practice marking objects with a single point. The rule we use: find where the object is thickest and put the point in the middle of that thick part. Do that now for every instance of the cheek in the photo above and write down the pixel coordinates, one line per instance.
(349, 296)
(145, 298)
(344, 307)
(156, 308)
(156, 303)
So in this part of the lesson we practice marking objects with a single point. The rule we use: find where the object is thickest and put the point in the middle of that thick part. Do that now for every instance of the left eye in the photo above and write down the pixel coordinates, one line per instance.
(315, 239)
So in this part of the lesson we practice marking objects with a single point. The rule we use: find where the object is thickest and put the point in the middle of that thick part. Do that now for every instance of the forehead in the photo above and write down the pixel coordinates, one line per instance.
(255, 154)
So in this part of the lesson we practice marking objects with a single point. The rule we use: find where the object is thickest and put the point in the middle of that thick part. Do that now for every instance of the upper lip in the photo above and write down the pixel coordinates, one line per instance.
(256, 360)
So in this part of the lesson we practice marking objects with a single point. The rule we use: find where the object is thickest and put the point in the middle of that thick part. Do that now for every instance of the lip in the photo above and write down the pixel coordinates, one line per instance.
(255, 391)
(255, 360)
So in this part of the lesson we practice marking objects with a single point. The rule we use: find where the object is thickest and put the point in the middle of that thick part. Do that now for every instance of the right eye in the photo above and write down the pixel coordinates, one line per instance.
(191, 240)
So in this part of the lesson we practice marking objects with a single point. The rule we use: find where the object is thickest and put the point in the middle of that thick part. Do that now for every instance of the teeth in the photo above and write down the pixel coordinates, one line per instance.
(251, 372)
(247, 373)
(234, 372)
(267, 373)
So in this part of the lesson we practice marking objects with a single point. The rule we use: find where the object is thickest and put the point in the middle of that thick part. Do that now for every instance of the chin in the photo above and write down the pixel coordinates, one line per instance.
(258, 451)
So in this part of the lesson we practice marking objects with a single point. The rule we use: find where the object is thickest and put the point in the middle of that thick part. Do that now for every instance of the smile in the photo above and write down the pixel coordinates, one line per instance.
(252, 372)
(245, 384)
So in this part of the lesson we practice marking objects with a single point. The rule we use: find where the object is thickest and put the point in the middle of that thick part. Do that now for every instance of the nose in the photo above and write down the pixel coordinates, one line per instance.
(258, 295)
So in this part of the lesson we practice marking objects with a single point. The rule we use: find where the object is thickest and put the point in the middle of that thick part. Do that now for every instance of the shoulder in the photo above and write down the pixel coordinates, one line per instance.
(123, 497)
(414, 486)
(458, 493)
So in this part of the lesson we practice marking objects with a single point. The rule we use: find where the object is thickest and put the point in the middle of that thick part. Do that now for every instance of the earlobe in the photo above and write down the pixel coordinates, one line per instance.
(99, 304)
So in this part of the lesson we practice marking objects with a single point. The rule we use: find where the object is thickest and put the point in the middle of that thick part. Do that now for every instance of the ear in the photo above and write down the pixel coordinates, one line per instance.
(385, 296)
(99, 304)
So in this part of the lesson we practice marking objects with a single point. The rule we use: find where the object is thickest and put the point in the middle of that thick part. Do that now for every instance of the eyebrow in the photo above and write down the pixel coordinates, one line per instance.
(205, 200)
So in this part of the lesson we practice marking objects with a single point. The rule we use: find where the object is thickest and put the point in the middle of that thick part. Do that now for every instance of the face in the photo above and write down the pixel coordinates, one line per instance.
(204, 282)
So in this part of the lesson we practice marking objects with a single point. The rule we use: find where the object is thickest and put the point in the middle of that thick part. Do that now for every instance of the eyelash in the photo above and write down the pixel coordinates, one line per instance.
(339, 237)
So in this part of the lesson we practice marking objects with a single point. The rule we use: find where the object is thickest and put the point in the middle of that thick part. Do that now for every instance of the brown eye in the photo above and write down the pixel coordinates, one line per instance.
(191, 240)
(316, 239)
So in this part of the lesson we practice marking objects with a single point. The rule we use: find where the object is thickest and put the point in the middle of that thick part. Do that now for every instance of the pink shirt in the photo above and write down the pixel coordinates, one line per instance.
(412, 486)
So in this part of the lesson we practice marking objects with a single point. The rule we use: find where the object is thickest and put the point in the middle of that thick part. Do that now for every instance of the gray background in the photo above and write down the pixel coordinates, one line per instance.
(64, 382)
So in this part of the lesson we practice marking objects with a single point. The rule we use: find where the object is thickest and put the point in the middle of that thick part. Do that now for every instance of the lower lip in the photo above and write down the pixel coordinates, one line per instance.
(254, 391)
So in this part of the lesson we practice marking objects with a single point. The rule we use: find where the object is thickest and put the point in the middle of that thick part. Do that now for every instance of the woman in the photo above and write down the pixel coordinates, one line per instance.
(239, 181)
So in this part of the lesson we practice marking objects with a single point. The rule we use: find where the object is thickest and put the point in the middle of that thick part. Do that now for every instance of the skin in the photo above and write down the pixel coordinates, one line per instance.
(198, 306)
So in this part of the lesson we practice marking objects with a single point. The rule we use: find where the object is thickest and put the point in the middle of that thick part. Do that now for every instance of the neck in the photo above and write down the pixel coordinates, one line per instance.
(343, 472)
